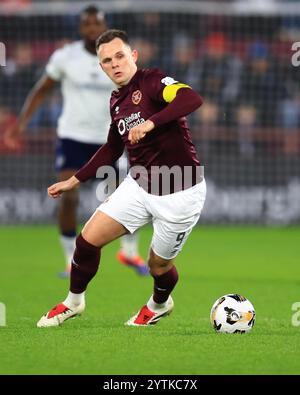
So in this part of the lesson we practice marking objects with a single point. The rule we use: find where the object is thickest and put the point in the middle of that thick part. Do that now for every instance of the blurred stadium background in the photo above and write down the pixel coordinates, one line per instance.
(237, 54)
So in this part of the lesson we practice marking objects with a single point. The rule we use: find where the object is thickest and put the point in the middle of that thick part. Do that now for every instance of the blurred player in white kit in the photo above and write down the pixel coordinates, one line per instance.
(82, 126)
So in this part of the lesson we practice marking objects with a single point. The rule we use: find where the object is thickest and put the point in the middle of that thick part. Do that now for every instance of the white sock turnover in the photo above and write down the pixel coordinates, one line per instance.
(68, 245)
(73, 300)
(129, 245)
(153, 306)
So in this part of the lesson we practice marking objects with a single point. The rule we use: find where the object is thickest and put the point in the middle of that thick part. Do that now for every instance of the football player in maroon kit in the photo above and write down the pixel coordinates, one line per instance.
(164, 186)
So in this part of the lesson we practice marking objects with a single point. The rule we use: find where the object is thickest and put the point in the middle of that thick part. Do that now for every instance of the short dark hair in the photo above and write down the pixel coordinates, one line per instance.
(91, 10)
(109, 35)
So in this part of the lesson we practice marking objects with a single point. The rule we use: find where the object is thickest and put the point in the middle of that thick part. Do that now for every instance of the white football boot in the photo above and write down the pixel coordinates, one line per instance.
(145, 316)
(59, 314)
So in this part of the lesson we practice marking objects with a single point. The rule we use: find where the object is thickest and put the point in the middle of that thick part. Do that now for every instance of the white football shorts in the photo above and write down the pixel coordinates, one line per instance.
(173, 216)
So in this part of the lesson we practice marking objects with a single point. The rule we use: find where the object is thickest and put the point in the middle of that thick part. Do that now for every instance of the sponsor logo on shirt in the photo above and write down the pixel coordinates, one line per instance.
(128, 123)
(136, 97)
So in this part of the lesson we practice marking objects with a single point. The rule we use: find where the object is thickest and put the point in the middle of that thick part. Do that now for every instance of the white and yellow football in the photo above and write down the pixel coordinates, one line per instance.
(232, 313)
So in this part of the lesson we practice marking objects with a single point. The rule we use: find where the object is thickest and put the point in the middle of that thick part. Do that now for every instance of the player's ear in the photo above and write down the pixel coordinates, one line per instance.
(135, 55)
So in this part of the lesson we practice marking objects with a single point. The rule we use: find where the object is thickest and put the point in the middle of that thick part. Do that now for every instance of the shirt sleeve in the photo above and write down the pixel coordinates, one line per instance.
(185, 102)
(180, 99)
(55, 65)
(155, 82)
(107, 155)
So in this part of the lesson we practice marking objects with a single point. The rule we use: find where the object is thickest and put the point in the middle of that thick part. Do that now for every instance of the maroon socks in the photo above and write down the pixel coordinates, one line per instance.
(164, 284)
(85, 264)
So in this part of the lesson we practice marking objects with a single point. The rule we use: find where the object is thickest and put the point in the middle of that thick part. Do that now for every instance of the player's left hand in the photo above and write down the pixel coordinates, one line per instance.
(138, 132)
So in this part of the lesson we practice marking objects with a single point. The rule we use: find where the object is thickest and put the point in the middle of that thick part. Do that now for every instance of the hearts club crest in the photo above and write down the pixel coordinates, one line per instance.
(136, 97)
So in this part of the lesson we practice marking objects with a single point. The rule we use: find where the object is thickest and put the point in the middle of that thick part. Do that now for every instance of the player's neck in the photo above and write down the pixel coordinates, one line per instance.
(90, 46)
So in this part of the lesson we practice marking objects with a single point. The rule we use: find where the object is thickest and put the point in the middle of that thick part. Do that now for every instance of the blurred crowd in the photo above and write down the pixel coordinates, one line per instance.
(244, 74)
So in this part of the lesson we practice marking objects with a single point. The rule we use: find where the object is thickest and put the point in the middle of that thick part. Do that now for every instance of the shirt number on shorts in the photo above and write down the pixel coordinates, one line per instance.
(179, 240)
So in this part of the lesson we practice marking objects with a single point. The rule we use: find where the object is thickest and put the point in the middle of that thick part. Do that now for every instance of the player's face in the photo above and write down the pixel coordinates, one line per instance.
(118, 61)
(92, 26)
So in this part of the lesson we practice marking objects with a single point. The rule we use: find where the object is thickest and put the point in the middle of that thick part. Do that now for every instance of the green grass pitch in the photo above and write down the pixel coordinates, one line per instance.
(261, 263)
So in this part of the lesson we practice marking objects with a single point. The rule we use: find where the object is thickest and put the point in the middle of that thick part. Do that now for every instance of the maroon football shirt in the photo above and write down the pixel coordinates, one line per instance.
(169, 144)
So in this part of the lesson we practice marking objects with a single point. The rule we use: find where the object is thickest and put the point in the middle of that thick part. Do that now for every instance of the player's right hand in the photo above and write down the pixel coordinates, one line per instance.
(12, 135)
(59, 188)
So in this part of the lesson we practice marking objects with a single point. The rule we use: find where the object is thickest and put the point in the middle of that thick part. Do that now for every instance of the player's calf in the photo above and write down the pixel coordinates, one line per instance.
(165, 276)
(85, 264)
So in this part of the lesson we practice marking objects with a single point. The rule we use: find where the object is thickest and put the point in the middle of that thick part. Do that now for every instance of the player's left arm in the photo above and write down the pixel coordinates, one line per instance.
(180, 98)
(106, 155)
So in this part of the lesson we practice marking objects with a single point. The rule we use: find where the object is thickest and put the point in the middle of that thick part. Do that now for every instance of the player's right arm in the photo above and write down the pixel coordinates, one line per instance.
(107, 155)
(55, 71)
(32, 102)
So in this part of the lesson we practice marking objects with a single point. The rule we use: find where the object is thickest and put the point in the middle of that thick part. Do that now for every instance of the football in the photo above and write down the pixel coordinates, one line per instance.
(232, 313)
